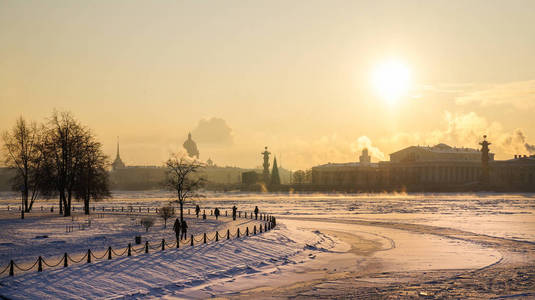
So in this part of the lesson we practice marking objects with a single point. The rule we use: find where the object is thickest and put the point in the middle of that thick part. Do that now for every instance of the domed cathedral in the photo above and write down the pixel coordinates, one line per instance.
(191, 147)
(118, 163)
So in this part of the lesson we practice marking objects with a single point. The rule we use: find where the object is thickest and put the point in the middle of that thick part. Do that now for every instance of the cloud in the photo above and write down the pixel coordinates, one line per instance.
(516, 142)
(467, 130)
(213, 131)
(520, 94)
(365, 142)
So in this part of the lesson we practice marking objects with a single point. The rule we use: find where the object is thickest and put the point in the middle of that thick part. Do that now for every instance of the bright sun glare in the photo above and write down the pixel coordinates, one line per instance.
(391, 80)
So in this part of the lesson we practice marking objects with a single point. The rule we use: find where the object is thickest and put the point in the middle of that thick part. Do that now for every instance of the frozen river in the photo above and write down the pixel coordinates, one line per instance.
(509, 216)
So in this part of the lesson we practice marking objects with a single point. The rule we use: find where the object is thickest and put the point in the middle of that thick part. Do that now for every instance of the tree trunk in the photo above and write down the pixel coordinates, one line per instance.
(181, 210)
(61, 201)
(86, 205)
(67, 212)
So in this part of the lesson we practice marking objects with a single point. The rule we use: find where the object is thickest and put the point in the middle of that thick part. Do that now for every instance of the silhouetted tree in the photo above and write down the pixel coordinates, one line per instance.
(74, 163)
(92, 181)
(22, 147)
(165, 213)
(182, 179)
(299, 177)
(275, 178)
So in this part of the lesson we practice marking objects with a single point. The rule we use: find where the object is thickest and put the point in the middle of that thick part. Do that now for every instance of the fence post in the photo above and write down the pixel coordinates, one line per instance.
(239, 214)
(122, 209)
(40, 264)
(88, 256)
(140, 209)
(260, 228)
(129, 249)
(204, 238)
(246, 215)
(148, 209)
(146, 246)
(226, 213)
(238, 234)
(211, 212)
(228, 234)
(163, 244)
(11, 271)
(254, 229)
(247, 231)
(217, 236)
(192, 240)
(65, 262)
(188, 211)
(109, 252)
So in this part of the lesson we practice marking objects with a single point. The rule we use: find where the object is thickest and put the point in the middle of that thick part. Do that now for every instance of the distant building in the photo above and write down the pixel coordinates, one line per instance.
(249, 177)
(516, 174)
(118, 163)
(191, 147)
(438, 168)
(355, 176)
(432, 167)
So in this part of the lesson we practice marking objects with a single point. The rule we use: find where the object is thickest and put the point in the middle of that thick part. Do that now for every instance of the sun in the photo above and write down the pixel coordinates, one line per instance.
(391, 80)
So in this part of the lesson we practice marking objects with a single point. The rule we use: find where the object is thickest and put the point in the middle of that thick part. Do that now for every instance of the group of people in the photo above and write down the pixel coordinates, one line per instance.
(181, 229)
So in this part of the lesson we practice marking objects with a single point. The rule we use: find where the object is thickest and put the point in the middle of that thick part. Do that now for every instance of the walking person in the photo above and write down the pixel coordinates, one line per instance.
(256, 212)
(176, 228)
(184, 229)
(234, 209)
(197, 210)
(216, 213)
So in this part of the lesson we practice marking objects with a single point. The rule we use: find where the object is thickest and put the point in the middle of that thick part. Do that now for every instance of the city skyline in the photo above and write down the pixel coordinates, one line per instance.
(298, 77)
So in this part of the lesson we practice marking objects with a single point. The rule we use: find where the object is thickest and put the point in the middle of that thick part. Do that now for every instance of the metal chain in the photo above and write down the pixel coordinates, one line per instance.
(79, 261)
(59, 262)
(24, 270)
(103, 255)
(114, 253)
(158, 246)
(138, 250)
(5, 269)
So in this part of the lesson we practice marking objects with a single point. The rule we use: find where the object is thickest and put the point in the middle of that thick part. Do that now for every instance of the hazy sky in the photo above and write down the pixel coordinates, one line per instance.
(292, 75)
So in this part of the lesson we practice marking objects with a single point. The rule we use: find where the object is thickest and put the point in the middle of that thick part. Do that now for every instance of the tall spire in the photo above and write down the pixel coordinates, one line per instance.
(118, 163)
(118, 156)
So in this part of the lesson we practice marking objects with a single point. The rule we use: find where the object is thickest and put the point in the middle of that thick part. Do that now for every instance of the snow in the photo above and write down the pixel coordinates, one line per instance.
(318, 235)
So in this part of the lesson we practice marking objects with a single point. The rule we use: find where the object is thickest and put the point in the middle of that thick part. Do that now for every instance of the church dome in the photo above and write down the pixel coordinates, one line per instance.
(191, 147)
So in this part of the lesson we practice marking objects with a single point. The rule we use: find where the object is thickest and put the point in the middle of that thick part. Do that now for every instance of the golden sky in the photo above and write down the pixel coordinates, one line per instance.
(296, 76)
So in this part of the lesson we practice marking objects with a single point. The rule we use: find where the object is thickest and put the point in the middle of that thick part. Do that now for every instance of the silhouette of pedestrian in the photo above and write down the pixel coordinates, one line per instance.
(197, 210)
(216, 213)
(184, 229)
(204, 214)
(256, 212)
(176, 228)
(234, 209)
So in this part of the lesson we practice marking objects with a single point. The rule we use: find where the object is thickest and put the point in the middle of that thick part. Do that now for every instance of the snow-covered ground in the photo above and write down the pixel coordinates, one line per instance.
(318, 236)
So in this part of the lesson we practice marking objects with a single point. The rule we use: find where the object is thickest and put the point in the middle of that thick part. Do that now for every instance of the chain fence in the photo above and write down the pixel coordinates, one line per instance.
(110, 253)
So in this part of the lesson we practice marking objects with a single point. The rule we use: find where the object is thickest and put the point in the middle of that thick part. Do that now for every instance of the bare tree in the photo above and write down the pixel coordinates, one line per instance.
(22, 147)
(92, 181)
(165, 213)
(75, 165)
(182, 178)
(147, 222)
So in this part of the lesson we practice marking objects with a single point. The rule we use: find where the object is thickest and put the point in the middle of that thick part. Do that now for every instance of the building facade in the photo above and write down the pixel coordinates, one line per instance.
(439, 168)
